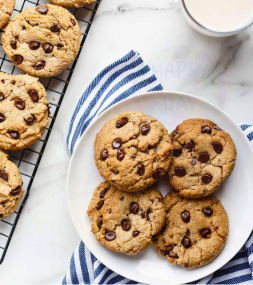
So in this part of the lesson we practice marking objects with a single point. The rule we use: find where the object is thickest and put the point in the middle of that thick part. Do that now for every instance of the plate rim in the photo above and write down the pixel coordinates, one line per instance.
(150, 94)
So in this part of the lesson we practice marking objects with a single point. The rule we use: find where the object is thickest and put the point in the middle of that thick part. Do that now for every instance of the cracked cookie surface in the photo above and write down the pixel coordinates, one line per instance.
(133, 151)
(203, 157)
(6, 9)
(23, 111)
(195, 230)
(42, 41)
(125, 222)
(72, 3)
(11, 190)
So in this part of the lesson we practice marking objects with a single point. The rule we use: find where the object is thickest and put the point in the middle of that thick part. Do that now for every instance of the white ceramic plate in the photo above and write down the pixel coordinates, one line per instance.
(236, 193)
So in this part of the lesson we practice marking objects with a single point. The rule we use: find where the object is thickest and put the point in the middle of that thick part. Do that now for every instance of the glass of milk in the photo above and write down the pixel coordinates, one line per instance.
(218, 18)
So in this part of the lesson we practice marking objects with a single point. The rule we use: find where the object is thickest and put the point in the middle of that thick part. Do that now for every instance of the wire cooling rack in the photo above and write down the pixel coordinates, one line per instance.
(28, 159)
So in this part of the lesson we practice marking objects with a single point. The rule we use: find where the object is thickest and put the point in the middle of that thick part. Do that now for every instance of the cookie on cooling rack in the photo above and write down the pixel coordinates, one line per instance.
(133, 151)
(6, 9)
(203, 157)
(23, 111)
(196, 230)
(42, 41)
(125, 222)
(11, 190)
(72, 3)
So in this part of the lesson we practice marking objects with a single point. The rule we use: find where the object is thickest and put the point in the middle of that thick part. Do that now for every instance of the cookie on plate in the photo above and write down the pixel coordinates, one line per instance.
(133, 151)
(125, 222)
(203, 157)
(11, 190)
(72, 3)
(42, 41)
(23, 111)
(6, 9)
(195, 231)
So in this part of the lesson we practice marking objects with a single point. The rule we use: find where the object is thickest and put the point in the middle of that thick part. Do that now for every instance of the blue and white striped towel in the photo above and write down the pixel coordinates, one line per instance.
(124, 78)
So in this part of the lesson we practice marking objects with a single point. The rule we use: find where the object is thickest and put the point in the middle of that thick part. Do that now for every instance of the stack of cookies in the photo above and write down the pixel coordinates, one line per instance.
(133, 151)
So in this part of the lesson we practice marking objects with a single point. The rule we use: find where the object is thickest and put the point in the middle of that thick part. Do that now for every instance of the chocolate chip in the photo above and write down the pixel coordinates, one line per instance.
(167, 211)
(4, 175)
(122, 198)
(206, 178)
(177, 152)
(190, 145)
(217, 146)
(206, 130)
(42, 9)
(185, 215)
(1, 96)
(180, 171)
(100, 221)
(117, 143)
(14, 43)
(110, 236)
(2, 118)
(143, 215)
(164, 252)
(55, 28)
(34, 45)
(205, 233)
(134, 208)
(73, 22)
(34, 95)
(121, 122)
(103, 192)
(48, 48)
(145, 129)
(39, 65)
(149, 211)
(60, 45)
(172, 254)
(188, 233)
(203, 157)
(104, 154)
(186, 242)
(16, 191)
(30, 119)
(17, 59)
(194, 160)
(99, 204)
(140, 169)
(14, 134)
(126, 225)
(207, 211)
(135, 233)
(158, 173)
(120, 154)
(20, 104)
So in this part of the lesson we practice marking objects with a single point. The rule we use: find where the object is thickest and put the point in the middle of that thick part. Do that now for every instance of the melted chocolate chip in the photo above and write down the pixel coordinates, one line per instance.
(103, 192)
(121, 122)
(177, 152)
(16, 191)
(60, 45)
(39, 65)
(180, 171)
(164, 252)
(30, 119)
(2, 118)
(100, 221)
(110, 236)
(186, 242)
(73, 22)
(134, 208)
(14, 134)
(48, 48)
(117, 143)
(135, 233)
(143, 215)
(120, 154)
(207, 211)
(140, 169)
(126, 225)
(206, 130)
(104, 154)
(190, 145)
(17, 59)
(205, 233)
(149, 211)
(206, 178)
(4, 175)
(42, 9)
(55, 28)
(158, 173)
(194, 160)
(99, 204)
(217, 146)
(34, 45)
(185, 215)
(145, 129)
(203, 157)
(20, 104)
(1, 96)
(14, 43)
(172, 254)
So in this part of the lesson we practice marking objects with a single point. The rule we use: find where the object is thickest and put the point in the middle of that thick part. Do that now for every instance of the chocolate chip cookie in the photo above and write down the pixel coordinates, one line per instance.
(23, 111)
(6, 9)
(203, 157)
(195, 230)
(42, 41)
(125, 222)
(11, 190)
(133, 151)
(72, 3)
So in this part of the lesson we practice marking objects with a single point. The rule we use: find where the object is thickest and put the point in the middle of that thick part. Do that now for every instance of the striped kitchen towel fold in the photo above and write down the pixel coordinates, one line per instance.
(127, 77)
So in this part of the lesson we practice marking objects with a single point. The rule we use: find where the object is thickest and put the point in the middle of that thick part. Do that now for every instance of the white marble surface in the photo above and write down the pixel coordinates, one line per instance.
(218, 70)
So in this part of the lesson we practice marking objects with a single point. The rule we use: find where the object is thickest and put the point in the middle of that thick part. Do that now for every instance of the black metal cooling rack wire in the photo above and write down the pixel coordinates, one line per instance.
(28, 159)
